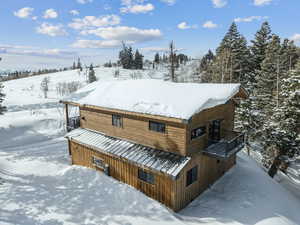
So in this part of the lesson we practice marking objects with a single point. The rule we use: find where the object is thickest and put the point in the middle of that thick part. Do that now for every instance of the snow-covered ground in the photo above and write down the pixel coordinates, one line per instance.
(39, 186)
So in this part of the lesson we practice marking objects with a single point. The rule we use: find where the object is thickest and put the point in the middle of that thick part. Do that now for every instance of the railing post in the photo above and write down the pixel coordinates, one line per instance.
(67, 117)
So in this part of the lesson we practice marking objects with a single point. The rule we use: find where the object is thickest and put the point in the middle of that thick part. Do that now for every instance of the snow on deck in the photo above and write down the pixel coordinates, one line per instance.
(157, 97)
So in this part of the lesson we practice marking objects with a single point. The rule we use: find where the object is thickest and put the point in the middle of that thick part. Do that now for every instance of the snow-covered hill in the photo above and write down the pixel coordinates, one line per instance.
(39, 186)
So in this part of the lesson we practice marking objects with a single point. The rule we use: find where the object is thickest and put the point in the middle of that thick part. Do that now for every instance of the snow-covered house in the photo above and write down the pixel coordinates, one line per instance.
(168, 140)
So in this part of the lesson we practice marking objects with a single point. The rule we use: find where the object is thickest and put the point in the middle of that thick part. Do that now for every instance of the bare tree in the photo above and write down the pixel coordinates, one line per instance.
(45, 86)
(172, 60)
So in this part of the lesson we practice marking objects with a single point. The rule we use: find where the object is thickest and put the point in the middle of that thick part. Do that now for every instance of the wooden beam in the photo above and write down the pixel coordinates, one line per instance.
(67, 116)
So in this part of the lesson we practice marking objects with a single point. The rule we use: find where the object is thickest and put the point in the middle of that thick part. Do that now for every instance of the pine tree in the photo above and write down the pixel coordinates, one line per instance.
(79, 65)
(205, 69)
(138, 60)
(233, 57)
(259, 45)
(156, 58)
(2, 95)
(74, 66)
(284, 131)
(92, 77)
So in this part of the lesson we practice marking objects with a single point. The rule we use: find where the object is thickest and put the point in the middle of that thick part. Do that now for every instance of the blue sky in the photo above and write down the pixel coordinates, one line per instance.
(39, 34)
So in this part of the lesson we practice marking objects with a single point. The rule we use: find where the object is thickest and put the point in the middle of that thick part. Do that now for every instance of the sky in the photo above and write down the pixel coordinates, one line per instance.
(38, 34)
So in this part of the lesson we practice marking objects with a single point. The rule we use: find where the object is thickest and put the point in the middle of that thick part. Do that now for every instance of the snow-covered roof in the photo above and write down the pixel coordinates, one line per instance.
(157, 160)
(158, 97)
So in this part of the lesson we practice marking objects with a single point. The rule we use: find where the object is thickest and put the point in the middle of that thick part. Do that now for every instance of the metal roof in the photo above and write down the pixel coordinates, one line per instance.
(157, 160)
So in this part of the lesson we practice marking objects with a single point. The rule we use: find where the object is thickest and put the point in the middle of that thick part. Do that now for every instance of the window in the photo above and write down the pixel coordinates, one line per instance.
(191, 176)
(145, 176)
(158, 127)
(117, 121)
(98, 162)
(198, 132)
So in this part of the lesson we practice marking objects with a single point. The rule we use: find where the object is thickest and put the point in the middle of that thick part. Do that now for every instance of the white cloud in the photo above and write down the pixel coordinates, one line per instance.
(74, 12)
(296, 37)
(123, 33)
(92, 21)
(34, 18)
(219, 3)
(185, 26)
(50, 14)
(262, 2)
(51, 30)
(250, 19)
(137, 8)
(209, 24)
(84, 1)
(155, 49)
(24, 12)
(169, 2)
(97, 44)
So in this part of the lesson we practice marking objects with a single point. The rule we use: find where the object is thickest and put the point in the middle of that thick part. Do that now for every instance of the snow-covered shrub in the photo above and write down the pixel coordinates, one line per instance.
(66, 88)
(45, 86)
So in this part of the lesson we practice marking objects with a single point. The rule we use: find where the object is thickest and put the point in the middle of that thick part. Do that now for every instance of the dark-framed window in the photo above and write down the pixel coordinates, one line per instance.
(117, 121)
(157, 127)
(191, 175)
(146, 176)
(198, 132)
(98, 162)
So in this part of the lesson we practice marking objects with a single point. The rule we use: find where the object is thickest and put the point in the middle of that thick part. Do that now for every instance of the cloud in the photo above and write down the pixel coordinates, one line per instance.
(84, 1)
(92, 21)
(136, 9)
(185, 26)
(219, 3)
(296, 37)
(32, 51)
(262, 2)
(51, 30)
(74, 12)
(123, 33)
(24, 12)
(169, 2)
(50, 14)
(250, 19)
(155, 49)
(97, 44)
(209, 24)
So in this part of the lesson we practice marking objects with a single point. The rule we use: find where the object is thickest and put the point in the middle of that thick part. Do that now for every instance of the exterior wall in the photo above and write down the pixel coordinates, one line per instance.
(209, 171)
(224, 112)
(136, 129)
(126, 172)
(172, 193)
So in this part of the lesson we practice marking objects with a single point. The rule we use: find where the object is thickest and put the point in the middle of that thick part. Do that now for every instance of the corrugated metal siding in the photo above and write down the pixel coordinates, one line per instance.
(166, 162)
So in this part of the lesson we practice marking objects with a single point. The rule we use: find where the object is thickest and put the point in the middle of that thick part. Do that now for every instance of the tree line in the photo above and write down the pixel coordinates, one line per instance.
(269, 70)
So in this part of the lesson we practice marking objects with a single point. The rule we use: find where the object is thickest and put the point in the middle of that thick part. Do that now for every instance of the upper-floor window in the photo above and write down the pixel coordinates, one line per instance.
(117, 121)
(191, 176)
(145, 176)
(198, 132)
(156, 126)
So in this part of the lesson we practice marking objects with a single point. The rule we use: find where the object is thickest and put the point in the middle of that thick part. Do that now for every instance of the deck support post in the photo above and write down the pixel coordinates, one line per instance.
(67, 116)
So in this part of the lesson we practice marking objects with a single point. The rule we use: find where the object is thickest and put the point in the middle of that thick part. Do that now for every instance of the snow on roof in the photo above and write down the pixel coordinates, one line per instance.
(158, 97)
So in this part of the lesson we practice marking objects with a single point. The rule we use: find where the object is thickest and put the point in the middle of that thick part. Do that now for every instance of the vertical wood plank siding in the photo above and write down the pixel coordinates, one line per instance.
(126, 172)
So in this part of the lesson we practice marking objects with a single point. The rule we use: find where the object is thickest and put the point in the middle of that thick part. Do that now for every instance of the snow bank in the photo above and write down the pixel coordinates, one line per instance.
(157, 97)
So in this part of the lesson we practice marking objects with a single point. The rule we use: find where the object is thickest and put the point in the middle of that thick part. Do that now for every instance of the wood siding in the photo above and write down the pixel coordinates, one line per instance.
(209, 170)
(224, 112)
(126, 172)
(136, 129)
(172, 193)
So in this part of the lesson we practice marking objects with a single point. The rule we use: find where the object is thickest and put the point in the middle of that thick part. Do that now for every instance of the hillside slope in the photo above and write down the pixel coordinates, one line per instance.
(39, 186)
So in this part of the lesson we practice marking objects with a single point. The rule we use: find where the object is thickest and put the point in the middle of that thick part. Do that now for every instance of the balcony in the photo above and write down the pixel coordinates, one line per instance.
(73, 123)
(232, 143)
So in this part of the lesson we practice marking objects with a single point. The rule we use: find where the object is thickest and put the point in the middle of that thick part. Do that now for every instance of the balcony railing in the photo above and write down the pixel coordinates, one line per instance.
(232, 143)
(73, 123)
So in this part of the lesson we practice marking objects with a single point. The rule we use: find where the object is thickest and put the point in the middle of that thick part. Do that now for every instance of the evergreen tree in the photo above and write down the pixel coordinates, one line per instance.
(288, 55)
(284, 131)
(156, 58)
(74, 66)
(205, 68)
(126, 57)
(138, 60)
(259, 45)
(2, 95)
(79, 65)
(92, 77)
